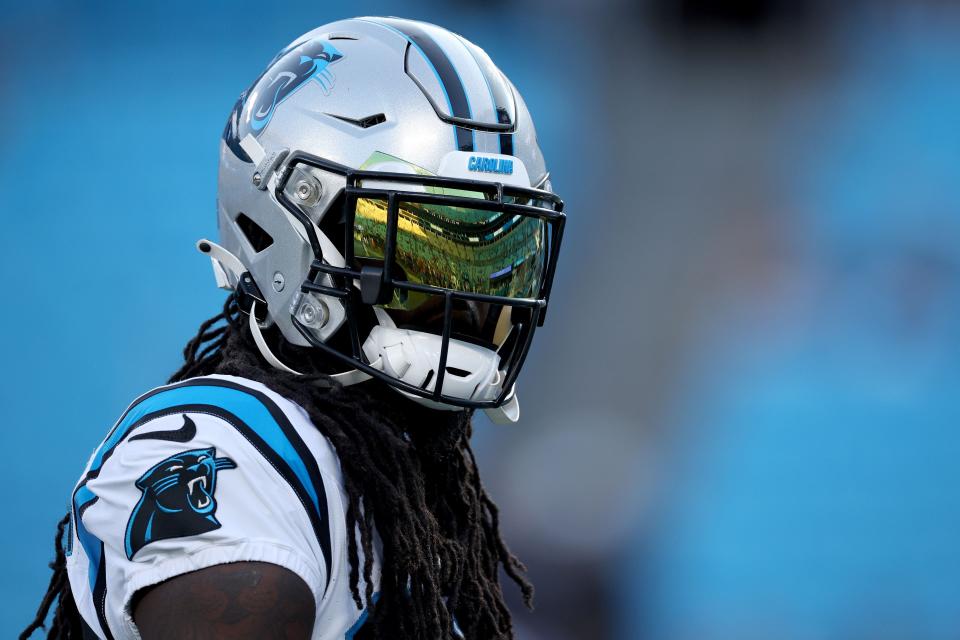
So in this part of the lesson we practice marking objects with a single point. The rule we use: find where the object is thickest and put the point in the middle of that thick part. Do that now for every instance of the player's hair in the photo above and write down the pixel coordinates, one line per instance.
(66, 619)
(410, 477)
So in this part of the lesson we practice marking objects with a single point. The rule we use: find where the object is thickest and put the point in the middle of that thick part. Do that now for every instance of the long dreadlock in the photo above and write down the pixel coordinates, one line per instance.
(66, 619)
(410, 477)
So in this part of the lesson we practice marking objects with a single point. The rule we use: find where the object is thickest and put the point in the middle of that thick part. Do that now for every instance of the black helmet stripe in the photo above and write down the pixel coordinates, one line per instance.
(498, 91)
(506, 144)
(449, 78)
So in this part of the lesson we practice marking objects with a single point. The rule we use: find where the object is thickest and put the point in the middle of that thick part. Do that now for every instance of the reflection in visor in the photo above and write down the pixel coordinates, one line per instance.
(457, 248)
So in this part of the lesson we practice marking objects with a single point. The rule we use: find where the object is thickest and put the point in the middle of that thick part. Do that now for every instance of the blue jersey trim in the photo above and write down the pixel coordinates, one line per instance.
(92, 546)
(361, 620)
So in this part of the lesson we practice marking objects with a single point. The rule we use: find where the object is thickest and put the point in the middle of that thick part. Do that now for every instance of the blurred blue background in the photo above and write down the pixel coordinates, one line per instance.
(741, 420)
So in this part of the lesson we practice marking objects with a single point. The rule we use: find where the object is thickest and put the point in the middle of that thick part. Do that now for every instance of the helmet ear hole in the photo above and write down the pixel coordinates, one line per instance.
(256, 235)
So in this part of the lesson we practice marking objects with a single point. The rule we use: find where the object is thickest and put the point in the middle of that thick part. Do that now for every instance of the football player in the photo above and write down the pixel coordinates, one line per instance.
(389, 235)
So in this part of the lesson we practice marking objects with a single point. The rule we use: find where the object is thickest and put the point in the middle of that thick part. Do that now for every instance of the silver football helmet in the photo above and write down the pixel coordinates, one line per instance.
(382, 198)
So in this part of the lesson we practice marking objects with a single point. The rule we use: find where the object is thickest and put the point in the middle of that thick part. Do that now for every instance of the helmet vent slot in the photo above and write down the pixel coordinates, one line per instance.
(363, 123)
(258, 238)
(460, 373)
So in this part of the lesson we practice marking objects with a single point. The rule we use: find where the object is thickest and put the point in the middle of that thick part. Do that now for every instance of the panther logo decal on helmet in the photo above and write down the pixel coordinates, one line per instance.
(300, 64)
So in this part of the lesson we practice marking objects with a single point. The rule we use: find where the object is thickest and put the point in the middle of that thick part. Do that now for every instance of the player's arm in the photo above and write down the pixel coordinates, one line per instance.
(237, 601)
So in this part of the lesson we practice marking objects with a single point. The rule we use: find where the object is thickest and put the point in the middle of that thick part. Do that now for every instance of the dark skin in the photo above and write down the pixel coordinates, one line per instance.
(237, 601)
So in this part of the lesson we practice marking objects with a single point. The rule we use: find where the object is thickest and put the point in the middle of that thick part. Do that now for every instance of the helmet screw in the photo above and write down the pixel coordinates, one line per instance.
(257, 179)
(313, 315)
(304, 190)
(278, 282)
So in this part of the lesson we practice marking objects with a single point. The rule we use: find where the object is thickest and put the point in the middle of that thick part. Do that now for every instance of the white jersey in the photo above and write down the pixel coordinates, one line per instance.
(209, 471)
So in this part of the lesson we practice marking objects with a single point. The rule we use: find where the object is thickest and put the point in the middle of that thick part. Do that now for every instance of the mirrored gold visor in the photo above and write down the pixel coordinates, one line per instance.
(453, 247)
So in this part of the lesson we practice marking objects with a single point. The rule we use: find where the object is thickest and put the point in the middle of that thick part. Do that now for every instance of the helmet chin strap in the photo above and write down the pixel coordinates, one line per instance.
(346, 378)
(508, 412)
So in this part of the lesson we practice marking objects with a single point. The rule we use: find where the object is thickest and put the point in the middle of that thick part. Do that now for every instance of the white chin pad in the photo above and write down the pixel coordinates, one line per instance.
(412, 356)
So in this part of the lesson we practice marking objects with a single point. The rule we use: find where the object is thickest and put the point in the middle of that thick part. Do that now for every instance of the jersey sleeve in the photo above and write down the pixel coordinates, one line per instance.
(187, 487)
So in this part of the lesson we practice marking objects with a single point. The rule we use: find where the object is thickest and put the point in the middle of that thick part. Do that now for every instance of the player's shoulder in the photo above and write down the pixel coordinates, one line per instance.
(206, 471)
(203, 415)
(185, 458)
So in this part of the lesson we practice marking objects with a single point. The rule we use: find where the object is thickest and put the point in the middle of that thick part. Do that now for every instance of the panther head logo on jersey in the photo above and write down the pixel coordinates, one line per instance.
(177, 499)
